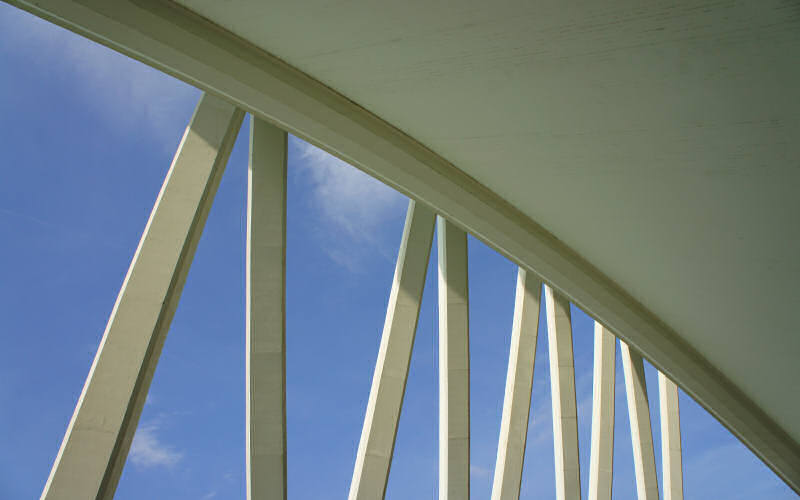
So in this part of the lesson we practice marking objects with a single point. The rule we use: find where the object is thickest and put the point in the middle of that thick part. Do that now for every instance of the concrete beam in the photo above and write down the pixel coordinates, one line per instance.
(562, 390)
(183, 44)
(378, 435)
(601, 467)
(519, 382)
(99, 435)
(641, 433)
(453, 362)
(266, 312)
(671, 456)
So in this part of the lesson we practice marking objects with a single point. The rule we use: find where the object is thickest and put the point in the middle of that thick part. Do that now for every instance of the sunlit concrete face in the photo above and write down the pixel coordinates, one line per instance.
(266, 313)
(96, 444)
(376, 446)
(657, 141)
(562, 390)
(454, 408)
(519, 382)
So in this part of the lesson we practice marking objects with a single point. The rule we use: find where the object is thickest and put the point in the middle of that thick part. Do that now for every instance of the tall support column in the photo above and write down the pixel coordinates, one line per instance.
(562, 389)
(641, 432)
(266, 312)
(601, 468)
(376, 446)
(671, 459)
(99, 435)
(519, 382)
(453, 362)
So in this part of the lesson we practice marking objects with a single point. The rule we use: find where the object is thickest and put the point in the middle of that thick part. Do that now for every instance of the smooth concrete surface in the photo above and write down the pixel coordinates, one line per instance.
(669, 122)
(375, 449)
(674, 123)
(601, 466)
(93, 453)
(454, 447)
(562, 391)
(644, 460)
(266, 313)
(519, 383)
(671, 455)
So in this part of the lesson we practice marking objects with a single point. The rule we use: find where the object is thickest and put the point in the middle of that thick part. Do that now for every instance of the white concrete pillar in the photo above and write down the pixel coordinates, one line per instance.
(266, 312)
(601, 468)
(562, 390)
(376, 446)
(671, 459)
(453, 362)
(99, 435)
(519, 382)
(641, 433)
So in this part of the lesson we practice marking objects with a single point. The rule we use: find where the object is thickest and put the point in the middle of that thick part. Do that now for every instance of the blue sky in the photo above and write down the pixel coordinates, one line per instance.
(87, 137)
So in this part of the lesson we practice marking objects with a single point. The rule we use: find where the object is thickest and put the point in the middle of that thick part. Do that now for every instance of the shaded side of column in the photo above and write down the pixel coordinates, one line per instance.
(562, 390)
(375, 449)
(519, 382)
(266, 312)
(453, 362)
(671, 455)
(641, 432)
(100, 433)
(601, 467)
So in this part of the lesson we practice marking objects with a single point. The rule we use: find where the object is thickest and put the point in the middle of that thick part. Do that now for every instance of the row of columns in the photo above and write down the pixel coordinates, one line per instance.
(397, 343)
(97, 441)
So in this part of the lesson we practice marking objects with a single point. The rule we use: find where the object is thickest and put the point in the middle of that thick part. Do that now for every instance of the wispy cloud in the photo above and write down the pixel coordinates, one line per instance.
(478, 471)
(147, 449)
(352, 203)
(128, 95)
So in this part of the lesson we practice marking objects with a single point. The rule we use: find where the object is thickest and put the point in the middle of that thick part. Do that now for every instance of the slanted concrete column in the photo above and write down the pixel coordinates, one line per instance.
(601, 468)
(376, 446)
(641, 432)
(671, 459)
(562, 388)
(99, 435)
(519, 382)
(453, 362)
(266, 313)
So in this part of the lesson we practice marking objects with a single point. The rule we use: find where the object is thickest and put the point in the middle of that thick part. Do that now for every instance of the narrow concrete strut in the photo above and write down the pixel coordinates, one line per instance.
(601, 467)
(519, 382)
(641, 432)
(453, 362)
(671, 459)
(266, 312)
(562, 383)
(376, 446)
(100, 433)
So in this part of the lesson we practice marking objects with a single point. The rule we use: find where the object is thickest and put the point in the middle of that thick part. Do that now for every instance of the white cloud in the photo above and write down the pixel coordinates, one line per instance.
(477, 471)
(355, 204)
(147, 450)
(131, 97)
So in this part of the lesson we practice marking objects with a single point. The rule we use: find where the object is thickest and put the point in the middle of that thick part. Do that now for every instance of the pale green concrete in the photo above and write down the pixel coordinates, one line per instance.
(644, 460)
(375, 449)
(99, 435)
(674, 125)
(601, 467)
(266, 313)
(562, 391)
(454, 439)
(519, 382)
(671, 454)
